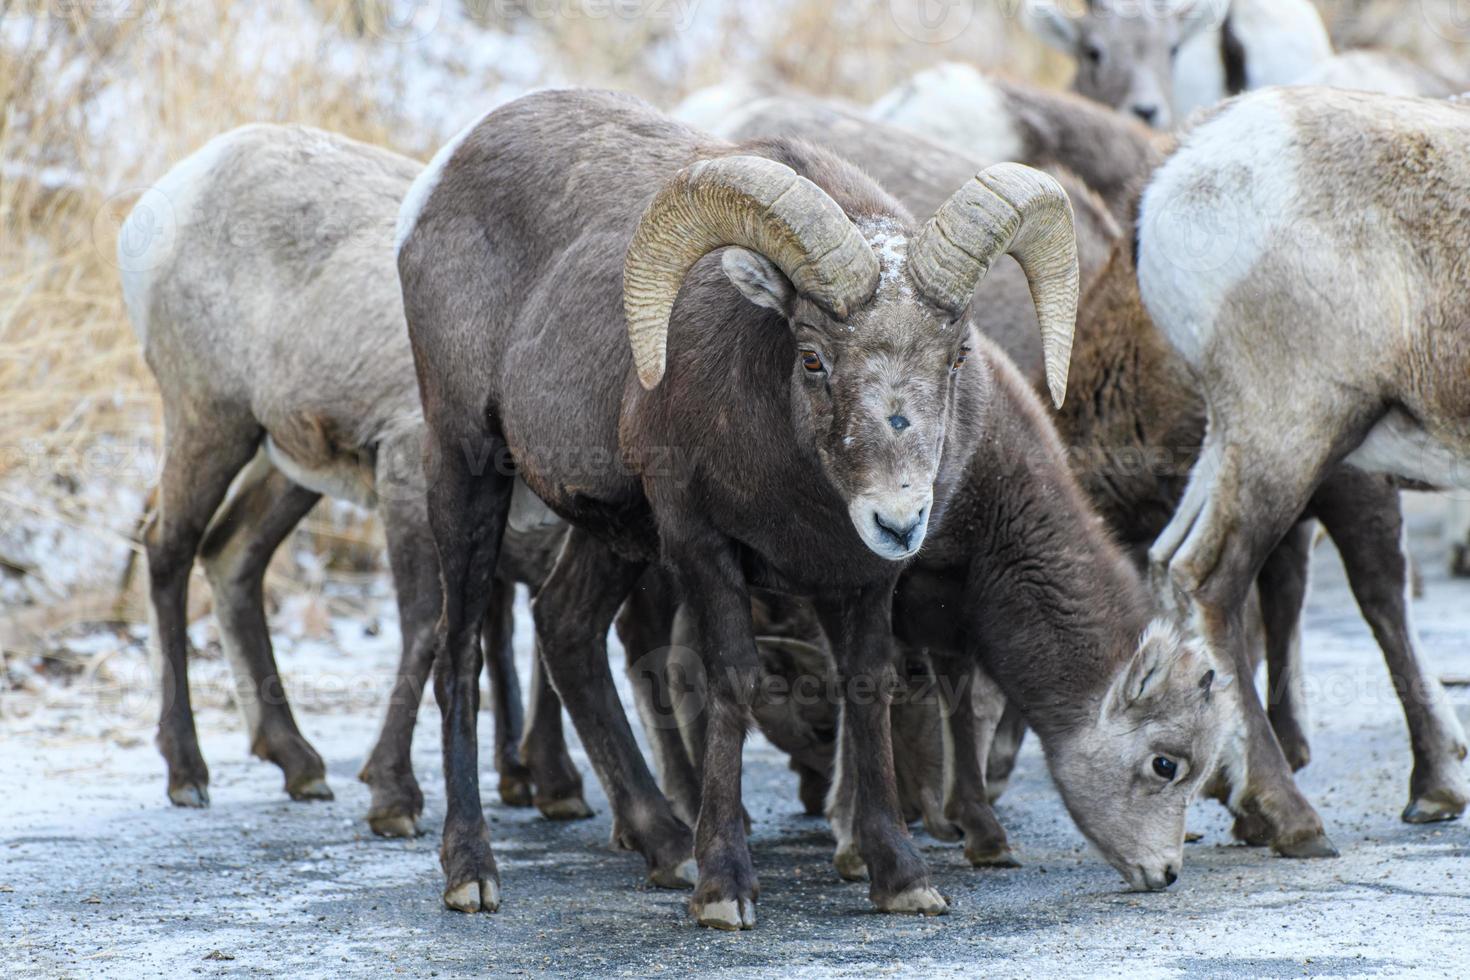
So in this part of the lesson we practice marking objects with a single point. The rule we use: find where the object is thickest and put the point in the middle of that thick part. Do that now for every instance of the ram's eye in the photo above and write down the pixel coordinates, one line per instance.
(1094, 54)
(812, 361)
(1165, 768)
(959, 360)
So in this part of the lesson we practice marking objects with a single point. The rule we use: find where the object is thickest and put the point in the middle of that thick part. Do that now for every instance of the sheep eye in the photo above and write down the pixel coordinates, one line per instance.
(1165, 768)
(959, 361)
(1094, 54)
(812, 361)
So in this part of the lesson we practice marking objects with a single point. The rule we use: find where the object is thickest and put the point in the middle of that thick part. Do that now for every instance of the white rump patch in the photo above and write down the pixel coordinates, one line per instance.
(150, 233)
(955, 104)
(423, 185)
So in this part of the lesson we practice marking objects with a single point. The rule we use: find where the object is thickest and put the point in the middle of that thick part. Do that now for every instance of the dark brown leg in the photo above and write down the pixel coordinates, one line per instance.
(236, 550)
(645, 627)
(468, 504)
(544, 748)
(859, 629)
(573, 611)
(1010, 732)
(198, 468)
(498, 637)
(1282, 586)
(1361, 512)
(965, 690)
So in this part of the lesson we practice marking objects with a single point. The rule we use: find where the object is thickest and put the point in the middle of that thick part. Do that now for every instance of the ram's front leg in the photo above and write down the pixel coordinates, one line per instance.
(859, 628)
(716, 600)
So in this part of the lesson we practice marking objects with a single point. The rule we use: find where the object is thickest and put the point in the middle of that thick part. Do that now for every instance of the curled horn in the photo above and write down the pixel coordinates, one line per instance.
(754, 203)
(1008, 209)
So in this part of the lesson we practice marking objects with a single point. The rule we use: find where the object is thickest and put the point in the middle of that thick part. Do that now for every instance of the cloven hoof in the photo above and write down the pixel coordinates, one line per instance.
(1001, 857)
(1427, 809)
(310, 790)
(920, 899)
(1317, 846)
(397, 826)
(566, 808)
(730, 915)
(474, 896)
(192, 795)
(683, 875)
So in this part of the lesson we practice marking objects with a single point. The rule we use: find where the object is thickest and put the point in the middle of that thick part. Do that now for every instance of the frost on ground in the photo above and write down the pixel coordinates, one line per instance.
(99, 875)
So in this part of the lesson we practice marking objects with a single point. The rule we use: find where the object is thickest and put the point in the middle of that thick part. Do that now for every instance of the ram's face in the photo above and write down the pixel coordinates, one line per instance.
(874, 391)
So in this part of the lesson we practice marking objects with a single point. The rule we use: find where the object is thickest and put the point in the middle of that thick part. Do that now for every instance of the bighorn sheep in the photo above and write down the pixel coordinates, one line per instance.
(1134, 422)
(1163, 59)
(1318, 334)
(993, 119)
(268, 311)
(792, 415)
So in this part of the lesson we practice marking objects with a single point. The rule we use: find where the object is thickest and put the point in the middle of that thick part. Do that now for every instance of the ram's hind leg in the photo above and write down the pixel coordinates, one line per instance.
(1361, 512)
(1246, 491)
(974, 706)
(199, 464)
(498, 635)
(261, 514)
(573, 611)
(1282, 586)
(558, 784)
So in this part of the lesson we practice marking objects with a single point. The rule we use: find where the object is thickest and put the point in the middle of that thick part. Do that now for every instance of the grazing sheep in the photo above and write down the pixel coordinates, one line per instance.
(801, 396)
(1305, 253)
(268, 312)
(1134, 422)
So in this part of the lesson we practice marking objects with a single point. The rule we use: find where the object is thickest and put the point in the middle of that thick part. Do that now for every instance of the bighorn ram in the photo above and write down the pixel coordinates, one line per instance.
(1319, 334)
(1134, 422)
(1162, 59)
(791, 412)
(269, 313)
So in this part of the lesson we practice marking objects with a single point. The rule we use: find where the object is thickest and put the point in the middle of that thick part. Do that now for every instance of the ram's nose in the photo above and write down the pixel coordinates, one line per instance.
(903, 531)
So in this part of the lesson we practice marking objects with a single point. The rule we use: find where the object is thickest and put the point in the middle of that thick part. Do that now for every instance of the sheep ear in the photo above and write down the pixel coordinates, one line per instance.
(1051, 25)
(759, 280)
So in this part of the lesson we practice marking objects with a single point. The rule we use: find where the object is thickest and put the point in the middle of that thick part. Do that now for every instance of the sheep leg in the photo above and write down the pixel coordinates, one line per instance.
(1282, 587)
(498, 638)
(544, 748)
(841, 806)
(469, 501)
(860, 630)
(1361, 512)
(918, 748)
(197, 471)
(645, 627)
(1005, 745)
(1241, 500)
(397, 800)
(264, 509)
(573, 611)
(972, 705)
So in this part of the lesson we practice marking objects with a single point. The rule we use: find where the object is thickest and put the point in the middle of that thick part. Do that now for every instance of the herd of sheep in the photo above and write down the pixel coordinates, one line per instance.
(752, 383)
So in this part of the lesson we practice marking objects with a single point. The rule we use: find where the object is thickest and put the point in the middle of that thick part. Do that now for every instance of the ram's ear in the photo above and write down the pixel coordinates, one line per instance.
(759, 280)
(1051, 25)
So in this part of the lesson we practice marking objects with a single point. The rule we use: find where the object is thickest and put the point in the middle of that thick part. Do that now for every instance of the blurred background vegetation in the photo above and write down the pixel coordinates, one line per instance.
(100, 97)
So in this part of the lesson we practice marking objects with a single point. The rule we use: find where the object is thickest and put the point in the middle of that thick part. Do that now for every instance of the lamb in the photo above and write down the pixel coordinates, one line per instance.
(1319, 335)
(267, 310)
(1134, 423)
(1162, 61)
(557, 208)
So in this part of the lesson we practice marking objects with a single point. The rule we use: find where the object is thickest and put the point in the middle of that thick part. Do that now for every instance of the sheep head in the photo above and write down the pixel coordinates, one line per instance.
(877, 312)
